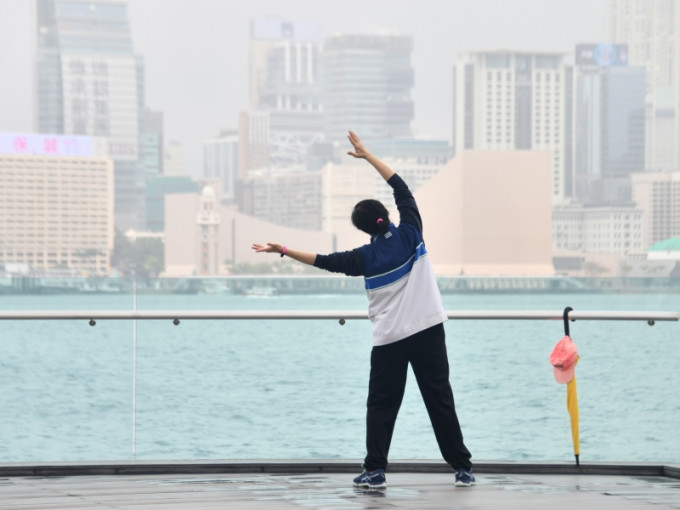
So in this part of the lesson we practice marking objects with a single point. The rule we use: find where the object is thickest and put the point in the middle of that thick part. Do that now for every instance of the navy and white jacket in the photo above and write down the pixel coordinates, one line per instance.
(403, 297)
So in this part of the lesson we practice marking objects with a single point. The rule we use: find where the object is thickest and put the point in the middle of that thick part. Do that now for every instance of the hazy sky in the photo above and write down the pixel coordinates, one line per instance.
(196, 51)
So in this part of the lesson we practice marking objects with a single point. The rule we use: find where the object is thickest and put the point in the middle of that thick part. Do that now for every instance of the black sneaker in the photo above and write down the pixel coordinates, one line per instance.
(464, 478)
(371, 479)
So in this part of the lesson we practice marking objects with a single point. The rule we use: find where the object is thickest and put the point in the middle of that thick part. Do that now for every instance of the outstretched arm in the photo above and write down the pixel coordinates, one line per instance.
(300, 256)
(362, 153)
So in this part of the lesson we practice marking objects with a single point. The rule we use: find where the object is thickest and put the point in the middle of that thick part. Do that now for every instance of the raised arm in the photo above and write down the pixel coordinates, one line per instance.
(362, 152)
(350, 262)
(300, 256)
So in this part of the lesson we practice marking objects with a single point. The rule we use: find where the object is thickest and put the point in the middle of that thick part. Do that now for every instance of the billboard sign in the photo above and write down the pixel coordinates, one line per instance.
(602, 55)
(32, 144)
(266, 29)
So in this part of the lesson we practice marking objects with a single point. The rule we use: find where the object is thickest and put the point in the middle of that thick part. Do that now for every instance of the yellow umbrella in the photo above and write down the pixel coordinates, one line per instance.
(572, 407)
(563, 359)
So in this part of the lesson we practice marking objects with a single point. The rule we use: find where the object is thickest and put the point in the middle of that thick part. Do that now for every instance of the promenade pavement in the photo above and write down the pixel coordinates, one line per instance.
(334, 491)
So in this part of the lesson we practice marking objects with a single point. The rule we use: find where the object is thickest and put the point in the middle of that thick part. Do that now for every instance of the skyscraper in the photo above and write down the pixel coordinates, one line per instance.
(367, 86)
(285, 91)
(220, 162)
(609, 118)
(515, 100)
(651, 29)
(89, 82)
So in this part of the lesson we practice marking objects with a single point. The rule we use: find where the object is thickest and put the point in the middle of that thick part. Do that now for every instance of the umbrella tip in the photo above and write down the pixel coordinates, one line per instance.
(577, 461)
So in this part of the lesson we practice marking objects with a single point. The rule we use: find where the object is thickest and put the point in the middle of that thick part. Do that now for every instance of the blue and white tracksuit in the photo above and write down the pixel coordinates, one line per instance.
(406, 310)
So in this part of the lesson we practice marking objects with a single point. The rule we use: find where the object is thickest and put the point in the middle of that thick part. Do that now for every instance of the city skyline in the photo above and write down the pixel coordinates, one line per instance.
(200, 97)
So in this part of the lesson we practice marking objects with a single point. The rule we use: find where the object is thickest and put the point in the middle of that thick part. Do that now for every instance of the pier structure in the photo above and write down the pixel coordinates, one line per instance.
(326, 284)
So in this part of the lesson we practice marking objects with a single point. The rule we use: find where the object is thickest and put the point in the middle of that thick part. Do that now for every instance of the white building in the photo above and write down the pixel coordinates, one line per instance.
(659, 195)
(607, 230)
(285, 90)
(505, 99)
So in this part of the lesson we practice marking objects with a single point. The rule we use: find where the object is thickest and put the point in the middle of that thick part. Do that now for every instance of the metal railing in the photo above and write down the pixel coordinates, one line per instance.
(176, 316)
(340, 315)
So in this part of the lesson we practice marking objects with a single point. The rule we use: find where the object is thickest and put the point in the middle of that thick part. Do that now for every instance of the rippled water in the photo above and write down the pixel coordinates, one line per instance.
(297, 389)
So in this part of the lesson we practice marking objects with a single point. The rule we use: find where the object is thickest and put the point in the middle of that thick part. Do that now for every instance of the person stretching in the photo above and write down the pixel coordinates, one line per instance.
(407, 315)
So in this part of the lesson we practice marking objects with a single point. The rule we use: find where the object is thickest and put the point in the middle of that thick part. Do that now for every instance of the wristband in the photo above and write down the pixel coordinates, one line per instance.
(283, 251)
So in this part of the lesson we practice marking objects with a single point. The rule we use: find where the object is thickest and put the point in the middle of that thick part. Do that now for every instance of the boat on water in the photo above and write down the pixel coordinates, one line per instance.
(99, 287)
(260, 291)
(215, 287)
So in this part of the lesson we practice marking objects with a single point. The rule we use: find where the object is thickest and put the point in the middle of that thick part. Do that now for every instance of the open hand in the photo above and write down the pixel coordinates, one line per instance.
(269, 248)
(359, 150)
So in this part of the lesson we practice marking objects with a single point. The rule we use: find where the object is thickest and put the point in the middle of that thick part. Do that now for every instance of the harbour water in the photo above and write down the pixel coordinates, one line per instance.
(297, 389)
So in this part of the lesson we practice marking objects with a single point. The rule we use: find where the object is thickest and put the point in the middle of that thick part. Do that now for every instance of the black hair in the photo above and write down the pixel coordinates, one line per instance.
(371, 216)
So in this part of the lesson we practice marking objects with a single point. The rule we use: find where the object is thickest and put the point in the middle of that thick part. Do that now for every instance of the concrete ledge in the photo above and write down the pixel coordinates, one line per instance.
(672, 470)
(322, 466)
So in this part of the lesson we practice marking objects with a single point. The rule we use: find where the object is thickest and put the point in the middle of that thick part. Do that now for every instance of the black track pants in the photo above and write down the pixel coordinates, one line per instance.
(426, 351)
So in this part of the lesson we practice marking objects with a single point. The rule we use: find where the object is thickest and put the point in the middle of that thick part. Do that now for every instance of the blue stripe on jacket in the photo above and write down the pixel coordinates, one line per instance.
(393, 276)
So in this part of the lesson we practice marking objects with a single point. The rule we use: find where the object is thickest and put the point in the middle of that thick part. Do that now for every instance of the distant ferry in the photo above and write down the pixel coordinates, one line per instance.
(260, 292)
(215, 287)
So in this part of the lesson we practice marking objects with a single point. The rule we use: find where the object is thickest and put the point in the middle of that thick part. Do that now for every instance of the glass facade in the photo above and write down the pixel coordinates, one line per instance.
(89, 82)
(609, 145)
(367, 84)
(623, 103)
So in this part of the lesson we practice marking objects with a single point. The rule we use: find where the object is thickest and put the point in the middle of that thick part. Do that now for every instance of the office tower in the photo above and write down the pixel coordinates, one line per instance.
(651, 29)
(515, 100)
(367, 86)
(56, 202)
(89, 82)
(285, 91)
(286, 198)
(609, 124)
(151, 146)
(220, 162)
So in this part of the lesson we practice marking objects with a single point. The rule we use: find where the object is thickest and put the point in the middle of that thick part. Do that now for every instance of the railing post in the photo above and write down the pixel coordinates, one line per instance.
(134, 371)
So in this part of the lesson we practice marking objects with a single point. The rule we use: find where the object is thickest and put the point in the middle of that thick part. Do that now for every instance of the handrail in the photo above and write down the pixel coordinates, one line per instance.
(341, 315)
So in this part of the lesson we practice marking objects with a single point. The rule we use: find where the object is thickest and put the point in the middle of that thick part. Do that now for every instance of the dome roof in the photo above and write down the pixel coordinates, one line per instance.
(208, 192)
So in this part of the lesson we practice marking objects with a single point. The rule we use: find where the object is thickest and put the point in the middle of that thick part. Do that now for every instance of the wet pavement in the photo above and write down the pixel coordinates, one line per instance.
(334, 491)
